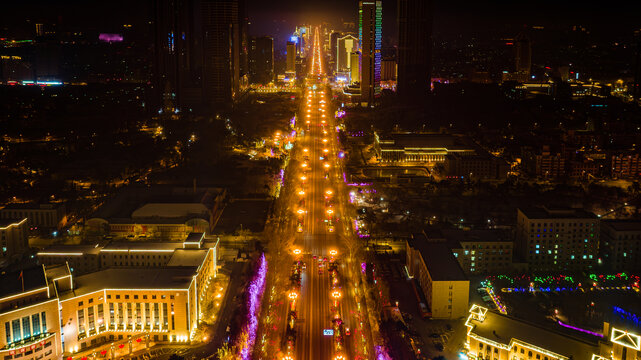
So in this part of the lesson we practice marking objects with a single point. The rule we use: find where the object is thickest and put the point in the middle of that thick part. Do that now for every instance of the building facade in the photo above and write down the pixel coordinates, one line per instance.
(482, 251)
(553, 239)
(621, 245)
(414, 19)
(344, 47)
(370, 19)
(261, 59)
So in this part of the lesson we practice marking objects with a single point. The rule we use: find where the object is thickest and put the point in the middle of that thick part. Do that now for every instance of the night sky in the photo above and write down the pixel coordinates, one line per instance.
(278, 17)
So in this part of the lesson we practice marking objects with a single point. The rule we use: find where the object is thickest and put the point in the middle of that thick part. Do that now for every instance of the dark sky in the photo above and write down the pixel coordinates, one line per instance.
(270, 17)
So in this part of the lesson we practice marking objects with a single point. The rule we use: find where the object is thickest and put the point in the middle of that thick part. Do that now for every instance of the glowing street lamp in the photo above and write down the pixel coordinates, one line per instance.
(303, 177)
(333, 252)
(325, 140)
(329, 211)
(300, 211)
(292, 295)
(329, 192)
(297, 251)
(326, 165)
(336, 294)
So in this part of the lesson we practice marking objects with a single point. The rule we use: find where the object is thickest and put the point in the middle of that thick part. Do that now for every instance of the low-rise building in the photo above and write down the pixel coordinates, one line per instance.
(557, 239)
(81, 259)
(440, 276)
(13, 238)
(621, 245)
(39, 216)
(420, 148)
(492, 335)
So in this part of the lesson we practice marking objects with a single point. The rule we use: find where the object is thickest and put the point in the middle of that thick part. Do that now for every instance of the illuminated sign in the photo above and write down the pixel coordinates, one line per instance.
(328, 332)
(294, 39)
(110, 37)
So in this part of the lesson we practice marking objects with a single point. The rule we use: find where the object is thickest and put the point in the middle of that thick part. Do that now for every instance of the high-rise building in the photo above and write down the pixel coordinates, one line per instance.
(333, 45)
(370, 19)
(290, 66)
(523, 55)
(261, 59)
(355, 70)
(414, 48)
(345, 46)
(197, 53)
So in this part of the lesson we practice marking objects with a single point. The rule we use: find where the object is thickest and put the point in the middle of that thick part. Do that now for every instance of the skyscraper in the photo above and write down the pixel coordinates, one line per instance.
(355, 70)
(414, 48)
(261, 59)
(290, 66)
(370, 18)
(523, 55)
(345, 46)
(197, 54)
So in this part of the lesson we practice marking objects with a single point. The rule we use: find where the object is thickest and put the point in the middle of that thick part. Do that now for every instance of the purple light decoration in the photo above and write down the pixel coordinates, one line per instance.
(256, 289)
(341, 154)
(110, 37)
(579, 329)
(381, 354)
(363, 267)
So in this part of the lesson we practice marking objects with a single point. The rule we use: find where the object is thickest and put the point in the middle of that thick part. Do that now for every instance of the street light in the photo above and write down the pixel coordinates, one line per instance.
(333, 252)
(292, 295)
(336, 294)
(297, 251)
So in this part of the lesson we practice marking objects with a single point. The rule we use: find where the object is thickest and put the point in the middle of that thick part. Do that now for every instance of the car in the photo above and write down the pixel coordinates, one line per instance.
(299, 228)
(330, 228)
(347, 331)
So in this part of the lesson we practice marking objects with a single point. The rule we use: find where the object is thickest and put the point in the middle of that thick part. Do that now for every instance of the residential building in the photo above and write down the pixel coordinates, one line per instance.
(414, 18)
(481, 251)
(261, 59)
(39, 216)
(626, 165)
(621, 245)
(492, 335)
(440, 276)
(13, 238)
(370, 21)
(557, 239)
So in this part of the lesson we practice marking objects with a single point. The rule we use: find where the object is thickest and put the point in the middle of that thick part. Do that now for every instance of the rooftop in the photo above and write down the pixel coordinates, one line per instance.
(502, 329)
(427, 140)
(556, 213)
(30, 206)
(477, 235)
(188, 257)
(142, 246)
(4, 223)
(622, 225)
(80, 249)
(170, 210)
(438, 257)
(175, 278)
(11, 283)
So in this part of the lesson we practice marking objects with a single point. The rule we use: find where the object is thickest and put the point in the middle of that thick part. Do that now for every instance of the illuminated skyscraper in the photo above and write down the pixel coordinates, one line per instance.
(346, 45)
(414, 48)
(370, 19)
(355, 70)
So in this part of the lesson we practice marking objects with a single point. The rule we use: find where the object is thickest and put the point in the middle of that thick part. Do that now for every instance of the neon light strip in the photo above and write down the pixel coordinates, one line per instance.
(14, 224)
(579, 329)
(58, 254)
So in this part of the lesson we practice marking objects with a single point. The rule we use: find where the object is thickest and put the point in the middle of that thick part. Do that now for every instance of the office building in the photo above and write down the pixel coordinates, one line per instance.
(440, 276)
(492, 335)
(197, 54)
(370, 20)
(261, 59)
(333, 46)
(290, 66)
(29, 313)
(346, 45)
(477, 166)
(39, 216)
(355, 70)
(557, 239)
(13, 238)
(620, 248)
(414, 48)
(523, 56)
